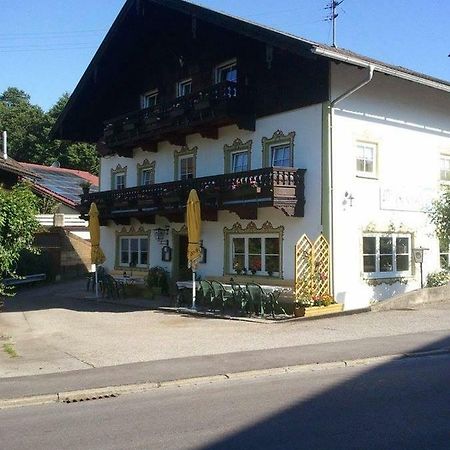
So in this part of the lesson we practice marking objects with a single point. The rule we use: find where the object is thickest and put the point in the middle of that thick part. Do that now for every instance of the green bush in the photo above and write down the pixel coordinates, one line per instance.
(158, 278)
(439, 278)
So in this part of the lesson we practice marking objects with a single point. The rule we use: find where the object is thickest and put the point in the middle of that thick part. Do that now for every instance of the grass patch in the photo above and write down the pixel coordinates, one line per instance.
(9, 348)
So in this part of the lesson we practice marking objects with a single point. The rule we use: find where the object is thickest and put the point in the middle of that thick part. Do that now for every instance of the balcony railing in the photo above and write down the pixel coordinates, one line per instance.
(218, 105)
(243, 193)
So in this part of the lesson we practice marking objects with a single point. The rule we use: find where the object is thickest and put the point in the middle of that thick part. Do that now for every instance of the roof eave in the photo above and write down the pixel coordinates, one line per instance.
(361, 62)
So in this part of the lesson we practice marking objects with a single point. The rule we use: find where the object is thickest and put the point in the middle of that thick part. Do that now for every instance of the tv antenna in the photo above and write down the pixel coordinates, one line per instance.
(332, 6)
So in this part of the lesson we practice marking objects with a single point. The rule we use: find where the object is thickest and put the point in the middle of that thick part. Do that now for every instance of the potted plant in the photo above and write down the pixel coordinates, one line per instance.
(157, 280)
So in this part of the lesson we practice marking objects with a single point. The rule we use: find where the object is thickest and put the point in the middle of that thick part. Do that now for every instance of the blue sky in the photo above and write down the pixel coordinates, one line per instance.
(46, 45)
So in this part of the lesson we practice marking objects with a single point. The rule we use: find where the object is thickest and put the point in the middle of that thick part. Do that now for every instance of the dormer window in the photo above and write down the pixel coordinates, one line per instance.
(227, 72)
(184, 88)
(149, 99)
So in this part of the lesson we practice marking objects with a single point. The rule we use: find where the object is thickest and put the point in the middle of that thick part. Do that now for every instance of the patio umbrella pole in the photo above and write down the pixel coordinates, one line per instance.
(96, 281)
(194, 292)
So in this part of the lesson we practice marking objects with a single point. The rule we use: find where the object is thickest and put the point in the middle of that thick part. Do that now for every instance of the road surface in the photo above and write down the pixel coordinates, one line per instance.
(393, 405)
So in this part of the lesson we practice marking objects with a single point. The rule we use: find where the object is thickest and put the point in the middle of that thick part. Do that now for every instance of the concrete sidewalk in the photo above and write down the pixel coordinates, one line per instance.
(229, 363)
(52, 331)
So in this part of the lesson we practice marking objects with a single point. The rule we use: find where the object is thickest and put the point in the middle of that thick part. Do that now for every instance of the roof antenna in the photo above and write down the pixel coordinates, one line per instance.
(332, 6)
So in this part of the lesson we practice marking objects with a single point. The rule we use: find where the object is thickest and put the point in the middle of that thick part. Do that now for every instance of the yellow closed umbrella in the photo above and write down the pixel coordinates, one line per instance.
(193, 221)
(97, 255)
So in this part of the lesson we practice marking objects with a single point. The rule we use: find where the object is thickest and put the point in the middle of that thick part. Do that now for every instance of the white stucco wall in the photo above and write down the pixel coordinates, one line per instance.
(411, 126)
(307, 124)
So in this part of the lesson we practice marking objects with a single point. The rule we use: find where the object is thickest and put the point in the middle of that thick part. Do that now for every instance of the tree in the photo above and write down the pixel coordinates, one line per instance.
(28, 128)
(18, 225)
(439, 214)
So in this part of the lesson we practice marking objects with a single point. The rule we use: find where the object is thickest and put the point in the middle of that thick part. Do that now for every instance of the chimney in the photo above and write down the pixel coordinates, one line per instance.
(5, 145)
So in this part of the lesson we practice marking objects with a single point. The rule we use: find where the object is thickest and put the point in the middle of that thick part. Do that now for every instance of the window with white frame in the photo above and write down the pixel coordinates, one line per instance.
(444, 256)
(445, 169)
(134, 250)
(184, 88)
(386, 255)
(147, 176)
(366, 159)
(149, 99)
(281, 155)
(239, 161)
(259, 254)
(186, 167)
(120, 180)
(227, 72)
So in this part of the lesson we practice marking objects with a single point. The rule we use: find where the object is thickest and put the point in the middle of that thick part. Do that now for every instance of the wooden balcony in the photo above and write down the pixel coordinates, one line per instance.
(202, 112)
(242, 193)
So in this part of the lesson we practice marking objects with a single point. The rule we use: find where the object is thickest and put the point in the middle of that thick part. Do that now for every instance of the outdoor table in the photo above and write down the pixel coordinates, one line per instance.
(128, 280)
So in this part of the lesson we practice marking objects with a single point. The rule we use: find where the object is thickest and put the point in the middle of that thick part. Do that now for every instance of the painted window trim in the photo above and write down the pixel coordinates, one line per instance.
(443, 155)
(369, 175)
(224, 65)
(151, 93)
(146, 165)
(278, 138)
(139, 233)
(266, 230)
(393, 274)
(180, 84)
(178, 154)
(119, 170)
(236, 147)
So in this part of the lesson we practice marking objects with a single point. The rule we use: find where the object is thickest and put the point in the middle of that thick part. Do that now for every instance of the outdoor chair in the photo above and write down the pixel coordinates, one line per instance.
(260, 298)
(112, 288)
(241, 298)
(90, 284)
(221, 297)
(206, 293)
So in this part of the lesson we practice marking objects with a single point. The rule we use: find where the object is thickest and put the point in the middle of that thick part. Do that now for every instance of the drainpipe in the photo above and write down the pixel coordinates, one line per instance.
(5, 145)
(333, 103)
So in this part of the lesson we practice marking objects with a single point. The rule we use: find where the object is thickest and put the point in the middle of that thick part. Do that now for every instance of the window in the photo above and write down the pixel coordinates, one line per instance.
(366, 155)
(119, 177)
(259, 254)
(184, 88)
(445, 169)
(149, 99)
(237, 156)
(147, 177)
(386, 255)
(444, 256)
(146, 173)
(280, 156)
(185, 162)
(239, 161)
(278, 151)
(133, 249)
(227, 72)
(186, 167)
(119, 181)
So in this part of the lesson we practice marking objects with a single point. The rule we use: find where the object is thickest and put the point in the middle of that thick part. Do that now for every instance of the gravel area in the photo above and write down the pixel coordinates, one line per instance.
(53, 330)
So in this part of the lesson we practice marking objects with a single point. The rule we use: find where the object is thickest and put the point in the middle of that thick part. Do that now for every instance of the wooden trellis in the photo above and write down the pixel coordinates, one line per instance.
(312, 267)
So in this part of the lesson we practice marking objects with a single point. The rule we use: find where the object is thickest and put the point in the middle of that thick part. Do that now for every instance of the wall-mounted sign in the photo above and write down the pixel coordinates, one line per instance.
(406, 198)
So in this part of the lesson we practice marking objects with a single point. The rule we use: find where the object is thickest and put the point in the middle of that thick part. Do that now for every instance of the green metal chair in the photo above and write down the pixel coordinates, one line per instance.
(242, 299)
(222, 297)
(206, 294)
(90, 284)
(112, 288)
(260, 298)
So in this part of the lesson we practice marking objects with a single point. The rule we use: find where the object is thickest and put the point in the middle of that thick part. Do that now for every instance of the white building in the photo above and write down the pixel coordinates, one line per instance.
(280, 136)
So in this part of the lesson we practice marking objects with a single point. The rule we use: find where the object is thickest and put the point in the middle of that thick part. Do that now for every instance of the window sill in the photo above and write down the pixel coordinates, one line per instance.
(367, 177)
(377, 280)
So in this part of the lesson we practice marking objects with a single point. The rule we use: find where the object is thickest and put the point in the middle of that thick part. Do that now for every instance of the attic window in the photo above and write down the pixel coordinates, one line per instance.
(227, 71)
(149, 99)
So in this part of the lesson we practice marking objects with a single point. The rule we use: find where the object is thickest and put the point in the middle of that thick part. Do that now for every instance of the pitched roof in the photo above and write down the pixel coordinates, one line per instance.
(290, 42)
(60, 183)
(15, 167)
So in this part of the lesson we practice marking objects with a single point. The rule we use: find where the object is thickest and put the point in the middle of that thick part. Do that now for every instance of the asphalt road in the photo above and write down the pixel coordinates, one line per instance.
(397, 405)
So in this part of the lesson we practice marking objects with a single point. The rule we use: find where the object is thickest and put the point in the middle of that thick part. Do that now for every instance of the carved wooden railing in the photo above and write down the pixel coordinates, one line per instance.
(282, 188)
(197, 107)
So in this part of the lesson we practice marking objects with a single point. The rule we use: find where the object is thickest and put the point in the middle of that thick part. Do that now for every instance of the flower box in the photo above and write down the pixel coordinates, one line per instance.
(313, 311)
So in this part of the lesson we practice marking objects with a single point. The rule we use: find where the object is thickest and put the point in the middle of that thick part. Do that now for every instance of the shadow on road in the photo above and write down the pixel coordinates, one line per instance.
(397, 405)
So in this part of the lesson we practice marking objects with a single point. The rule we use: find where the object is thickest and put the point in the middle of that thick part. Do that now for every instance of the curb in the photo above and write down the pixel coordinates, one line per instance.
(84, 395)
